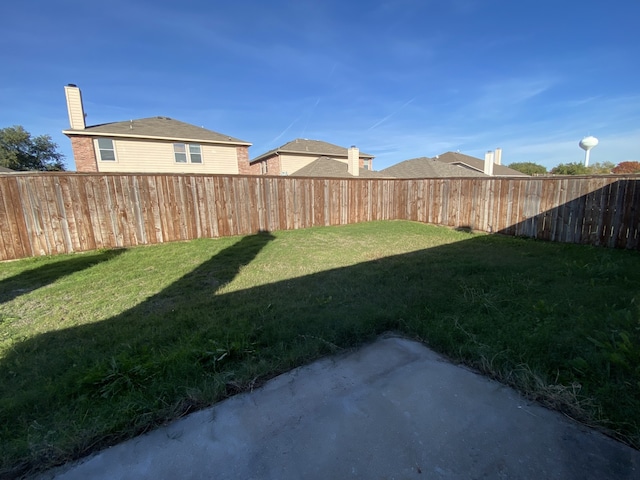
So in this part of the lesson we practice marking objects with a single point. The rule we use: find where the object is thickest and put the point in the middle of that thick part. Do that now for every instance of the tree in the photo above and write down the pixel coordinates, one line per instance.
(528, 168)
(603, 168)
(20, 151)
(626, 167)
(576, 168)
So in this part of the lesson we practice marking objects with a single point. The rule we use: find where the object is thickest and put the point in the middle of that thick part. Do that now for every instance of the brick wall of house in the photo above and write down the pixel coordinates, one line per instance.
(84, 154)
(370, 163)
(257, 168)
(244, 167)
(274, 166)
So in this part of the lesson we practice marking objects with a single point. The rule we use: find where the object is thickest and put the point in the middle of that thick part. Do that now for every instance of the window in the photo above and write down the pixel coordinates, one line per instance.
(180, 152)
(106, 151)
(195, 154)
(184, 153)
(366, 165)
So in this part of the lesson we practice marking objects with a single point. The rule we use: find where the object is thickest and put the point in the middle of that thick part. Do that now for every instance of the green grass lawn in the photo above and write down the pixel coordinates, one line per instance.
(101, 346)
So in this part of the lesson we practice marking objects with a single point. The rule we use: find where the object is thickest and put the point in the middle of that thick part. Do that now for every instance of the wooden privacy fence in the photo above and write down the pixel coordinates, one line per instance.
(51, 213)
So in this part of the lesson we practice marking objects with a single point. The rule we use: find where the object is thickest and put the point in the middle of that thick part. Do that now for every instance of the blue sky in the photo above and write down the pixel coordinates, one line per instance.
(398, 78)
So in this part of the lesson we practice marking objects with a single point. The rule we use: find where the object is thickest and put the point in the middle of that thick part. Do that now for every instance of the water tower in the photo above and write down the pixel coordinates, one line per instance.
(587, 143)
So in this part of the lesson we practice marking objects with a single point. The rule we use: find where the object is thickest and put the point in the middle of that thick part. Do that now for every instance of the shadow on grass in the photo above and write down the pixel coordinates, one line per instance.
(44, 275)
(488, 301)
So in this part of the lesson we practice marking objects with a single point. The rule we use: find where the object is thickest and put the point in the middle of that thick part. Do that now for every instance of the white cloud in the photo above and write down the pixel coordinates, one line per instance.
(504, 97)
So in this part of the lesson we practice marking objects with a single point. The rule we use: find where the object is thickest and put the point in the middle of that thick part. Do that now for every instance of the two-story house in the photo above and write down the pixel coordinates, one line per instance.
(155, 144)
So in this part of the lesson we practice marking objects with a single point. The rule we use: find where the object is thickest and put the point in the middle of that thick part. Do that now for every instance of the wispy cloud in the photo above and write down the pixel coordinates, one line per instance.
(505, 95)
(579, 102)
(309, 116)
(284, 131)
(382, 120)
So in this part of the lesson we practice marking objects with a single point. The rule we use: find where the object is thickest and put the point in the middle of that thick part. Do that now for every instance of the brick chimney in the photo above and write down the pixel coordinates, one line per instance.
(488, 163)
(74, 107)
(353, 161)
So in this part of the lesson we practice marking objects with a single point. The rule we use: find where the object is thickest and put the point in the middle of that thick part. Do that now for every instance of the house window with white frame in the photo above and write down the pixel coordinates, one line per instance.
(106, 150)
(195, 154)
(184, 153)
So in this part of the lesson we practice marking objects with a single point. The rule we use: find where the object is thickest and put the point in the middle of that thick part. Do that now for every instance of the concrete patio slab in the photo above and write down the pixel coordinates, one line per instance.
(390, 410)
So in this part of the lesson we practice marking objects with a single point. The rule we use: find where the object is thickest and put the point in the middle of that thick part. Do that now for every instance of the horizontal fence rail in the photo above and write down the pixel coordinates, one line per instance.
(51, 213)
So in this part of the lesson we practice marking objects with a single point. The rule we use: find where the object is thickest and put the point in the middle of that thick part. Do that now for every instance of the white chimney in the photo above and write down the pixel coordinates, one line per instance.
(498, 156)
(488, 163)
(353, 161)
(74, 107)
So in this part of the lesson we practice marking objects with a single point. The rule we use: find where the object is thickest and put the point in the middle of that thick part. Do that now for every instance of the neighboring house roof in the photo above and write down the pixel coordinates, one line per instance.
(424, 167)
(160, 128)
(5, 170)
(329, 167)
(311, 147)
(476, 164)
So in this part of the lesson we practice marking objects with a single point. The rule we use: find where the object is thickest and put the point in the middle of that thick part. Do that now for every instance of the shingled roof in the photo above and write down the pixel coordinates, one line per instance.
(312, 147)
(476, 164)
(161, 128)
(329, 167)
(424, 167)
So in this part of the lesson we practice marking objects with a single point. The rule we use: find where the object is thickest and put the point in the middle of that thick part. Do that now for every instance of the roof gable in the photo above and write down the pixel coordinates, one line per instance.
(310, 147)
(163, 128)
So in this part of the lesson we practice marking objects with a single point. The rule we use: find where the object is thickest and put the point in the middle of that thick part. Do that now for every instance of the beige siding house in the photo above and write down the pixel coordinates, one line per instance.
(302, 153)
(155, 145)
